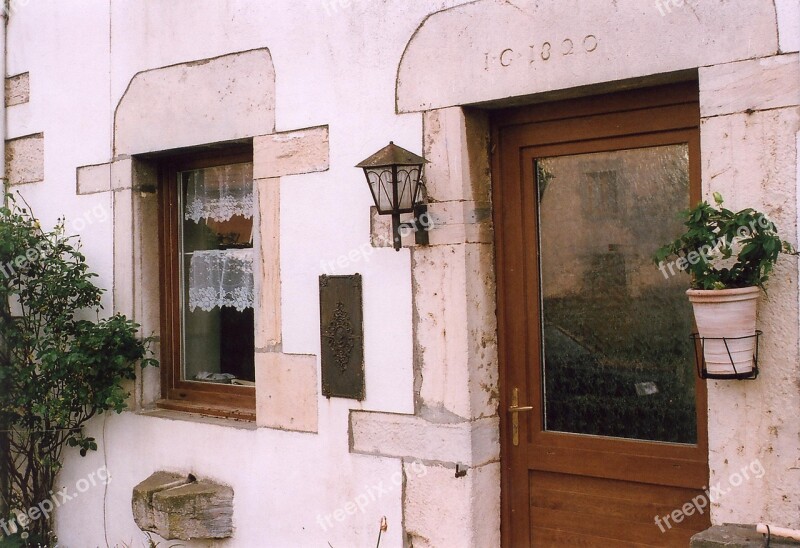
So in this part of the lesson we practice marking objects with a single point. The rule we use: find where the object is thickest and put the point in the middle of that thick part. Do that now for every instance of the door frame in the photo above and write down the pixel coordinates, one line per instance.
(619, 115)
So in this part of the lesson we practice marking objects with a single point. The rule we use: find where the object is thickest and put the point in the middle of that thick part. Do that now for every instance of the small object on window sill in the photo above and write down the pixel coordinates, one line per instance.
(242, 382)
(220, 378)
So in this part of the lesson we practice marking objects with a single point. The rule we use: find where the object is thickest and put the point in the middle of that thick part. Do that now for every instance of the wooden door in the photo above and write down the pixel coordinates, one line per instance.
(610, 442)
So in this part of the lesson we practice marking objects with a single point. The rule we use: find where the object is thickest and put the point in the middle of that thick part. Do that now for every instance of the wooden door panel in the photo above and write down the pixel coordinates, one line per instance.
(556, 538)
(610, 509)
(556, 497)
(602, 464)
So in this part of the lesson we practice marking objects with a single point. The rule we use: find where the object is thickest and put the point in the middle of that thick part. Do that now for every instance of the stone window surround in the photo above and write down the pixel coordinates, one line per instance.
(141, 134)
(274, 156)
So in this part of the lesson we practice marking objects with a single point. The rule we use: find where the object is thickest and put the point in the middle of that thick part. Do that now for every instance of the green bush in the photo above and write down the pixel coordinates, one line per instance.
(57, 369)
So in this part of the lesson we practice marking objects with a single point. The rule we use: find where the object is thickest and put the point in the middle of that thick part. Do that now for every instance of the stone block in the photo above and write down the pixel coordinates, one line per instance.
(468, 508)
(755, 84)
(267, 268)
(472, 443)
(455, 339)
(752, 160)
(124, 273)
(25, 159)
(18, 89)
(579, 43)
(179, 507)
(291, 153)
(287, 391)
(456, 146)
(736, 536)
(95, 178)
(206, 101)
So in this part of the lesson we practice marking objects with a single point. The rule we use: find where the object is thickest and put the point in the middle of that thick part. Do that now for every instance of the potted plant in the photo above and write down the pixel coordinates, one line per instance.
(730, 256)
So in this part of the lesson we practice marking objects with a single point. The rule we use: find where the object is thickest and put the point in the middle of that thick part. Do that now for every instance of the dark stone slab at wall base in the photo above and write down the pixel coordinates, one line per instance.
(732, 535)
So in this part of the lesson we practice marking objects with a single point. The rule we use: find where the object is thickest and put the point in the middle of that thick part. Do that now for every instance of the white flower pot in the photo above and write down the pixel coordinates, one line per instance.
(728, 313)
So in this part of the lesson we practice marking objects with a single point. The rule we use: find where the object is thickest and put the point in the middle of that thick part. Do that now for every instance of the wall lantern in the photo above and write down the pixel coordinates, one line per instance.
(394, 175)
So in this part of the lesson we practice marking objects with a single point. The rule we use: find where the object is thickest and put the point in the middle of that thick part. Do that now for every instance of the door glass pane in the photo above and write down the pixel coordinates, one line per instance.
(216, 241)
(617, 354)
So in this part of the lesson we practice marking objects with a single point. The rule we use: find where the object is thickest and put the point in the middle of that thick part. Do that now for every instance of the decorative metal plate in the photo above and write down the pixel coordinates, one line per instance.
(342, 333)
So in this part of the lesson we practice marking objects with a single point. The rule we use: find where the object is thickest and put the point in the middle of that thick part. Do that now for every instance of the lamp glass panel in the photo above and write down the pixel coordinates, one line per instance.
(380, 184)
(407, 178)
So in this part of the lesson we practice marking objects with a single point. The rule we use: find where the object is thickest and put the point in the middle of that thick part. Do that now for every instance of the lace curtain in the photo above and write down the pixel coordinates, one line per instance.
(221, 277)
(219, 193)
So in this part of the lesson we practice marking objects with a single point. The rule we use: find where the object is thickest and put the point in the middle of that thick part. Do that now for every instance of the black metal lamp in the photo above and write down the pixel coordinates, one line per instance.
(394, 175)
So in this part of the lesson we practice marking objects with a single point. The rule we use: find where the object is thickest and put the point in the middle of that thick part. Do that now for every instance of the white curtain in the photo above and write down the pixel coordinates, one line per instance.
(221, 277)
(219, 193)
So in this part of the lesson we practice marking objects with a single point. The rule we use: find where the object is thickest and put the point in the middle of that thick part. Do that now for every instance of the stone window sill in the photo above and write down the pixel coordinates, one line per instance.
(199, 417)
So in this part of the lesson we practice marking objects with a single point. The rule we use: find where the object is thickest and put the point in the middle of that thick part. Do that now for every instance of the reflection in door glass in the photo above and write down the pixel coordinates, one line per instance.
(617, 356)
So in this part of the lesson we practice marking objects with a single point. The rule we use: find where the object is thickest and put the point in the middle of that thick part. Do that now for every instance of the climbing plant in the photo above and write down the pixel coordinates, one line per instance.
(58, 368)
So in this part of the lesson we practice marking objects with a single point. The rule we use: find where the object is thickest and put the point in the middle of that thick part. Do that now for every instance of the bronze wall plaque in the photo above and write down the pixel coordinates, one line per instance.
(342, 332)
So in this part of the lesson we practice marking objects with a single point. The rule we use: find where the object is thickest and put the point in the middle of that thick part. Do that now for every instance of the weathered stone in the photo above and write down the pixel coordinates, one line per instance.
(95, 178)
(179, 507)
(134, 173)
(468, 508)
(755, 84)
(18, 89)
(291, 153)
(25, 159)
(211, 100)
(143, 496)
(573, 43)
(124, 230)
(736, 536)
(473, 443)
(286, 391)
(751, 159)
(267, 267)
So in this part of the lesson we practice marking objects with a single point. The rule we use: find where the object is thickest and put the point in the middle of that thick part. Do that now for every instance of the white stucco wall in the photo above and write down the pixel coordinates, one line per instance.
(336, 64)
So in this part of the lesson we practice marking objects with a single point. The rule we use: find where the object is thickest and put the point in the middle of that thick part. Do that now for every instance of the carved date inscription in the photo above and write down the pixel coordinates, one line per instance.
(539, 52)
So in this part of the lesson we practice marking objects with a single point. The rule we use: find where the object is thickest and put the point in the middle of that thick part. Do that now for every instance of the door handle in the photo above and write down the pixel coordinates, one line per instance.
(515, 408)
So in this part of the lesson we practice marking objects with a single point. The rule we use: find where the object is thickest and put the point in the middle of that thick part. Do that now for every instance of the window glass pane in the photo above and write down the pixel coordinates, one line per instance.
(216, 241)
(617, 353)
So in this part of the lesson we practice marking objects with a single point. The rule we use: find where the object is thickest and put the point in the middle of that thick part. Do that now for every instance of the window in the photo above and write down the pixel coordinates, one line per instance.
(206, 217)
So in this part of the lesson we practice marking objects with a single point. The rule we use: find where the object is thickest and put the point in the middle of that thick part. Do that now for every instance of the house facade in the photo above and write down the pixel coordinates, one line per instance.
(524, 378)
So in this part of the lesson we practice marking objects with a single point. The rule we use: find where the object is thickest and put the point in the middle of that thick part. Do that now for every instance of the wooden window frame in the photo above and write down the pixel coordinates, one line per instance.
(236, 402)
